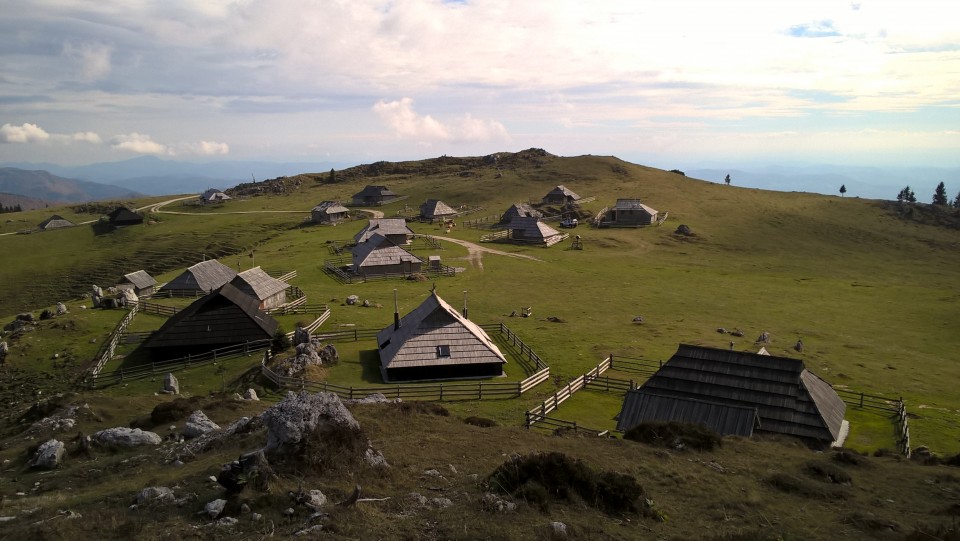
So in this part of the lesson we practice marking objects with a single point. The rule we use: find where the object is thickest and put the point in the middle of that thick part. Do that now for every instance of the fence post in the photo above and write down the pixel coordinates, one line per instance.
(480, 391)
(861, 399)
(355, 339)
(441, 391)
(611, 361)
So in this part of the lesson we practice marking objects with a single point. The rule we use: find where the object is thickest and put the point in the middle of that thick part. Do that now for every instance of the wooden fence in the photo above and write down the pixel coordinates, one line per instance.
(551, 423)
(321, 318)
(478, 390)
(159, 309)
(110, 346)
(483, 223)
(890, 404)
(334, 267)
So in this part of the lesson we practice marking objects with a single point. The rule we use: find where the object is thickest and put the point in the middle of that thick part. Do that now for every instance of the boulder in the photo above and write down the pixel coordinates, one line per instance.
(95, 291)
(214, 508)
(171, 384)
(375, 458)
(95, 300)
(329, 354)
(300, 414)
(155, 496)
(250, 394)
(252, 469)
(48, 456)
(122, 436)
(4, 350)
(301, 336)
(61, 309)
(495, 504)
(558, 530)
(367, 303)
(684, 229)
(198, 424)
(352, 299)
(46, 314)
(26, 316)
(128, 296)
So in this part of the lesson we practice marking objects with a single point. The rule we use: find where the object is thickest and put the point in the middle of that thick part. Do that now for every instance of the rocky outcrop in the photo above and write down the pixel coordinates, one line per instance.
(198, 424)
(126, 437)
(155, 496)
(171, 384)
(301, 414)
(250, 394)
(48, 456)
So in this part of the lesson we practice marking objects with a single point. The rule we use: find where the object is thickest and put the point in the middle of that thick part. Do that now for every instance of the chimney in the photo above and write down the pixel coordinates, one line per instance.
(396, 311)
(465, 304)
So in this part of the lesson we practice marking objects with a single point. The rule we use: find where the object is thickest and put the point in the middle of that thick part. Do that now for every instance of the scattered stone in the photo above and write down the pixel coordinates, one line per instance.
(244, 508)
(252, 469)
(352, 299)
(716, 466)
(250, 394)
(4, 351)
(26, 316)
(684, 229)
(558, 530)
(49, 455)
(375, 398)
(433, 473)
(256, 517)
(61, 309)
(420, 499)
(214, 508)
(366, 303)
(209, 440)
(155, 496)
(736, 332)
(301, 336)
(300, 414)
(441, 503)
(764, 338)
(329, 354)
(638, 319)
(308, 531)
(96, 291)
(721, 330)
(227, 522)
(289, 512)
(198, 424)
(126, 437)
(69, 514)
(495, 504)
(171, 384)
(375, 458)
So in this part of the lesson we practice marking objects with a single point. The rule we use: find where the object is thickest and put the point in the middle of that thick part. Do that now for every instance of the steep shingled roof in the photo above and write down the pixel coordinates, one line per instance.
(204, 276)
(383, 226)
(532, 228)
(634, 204)
(258, 284)
(380, 251)
(562, 191)
(140, 279)
(55, 222)
(330, 207)
(434, 208)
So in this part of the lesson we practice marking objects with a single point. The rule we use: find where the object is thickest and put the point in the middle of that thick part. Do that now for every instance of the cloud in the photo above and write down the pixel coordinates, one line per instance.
(818, 29)
(401, 118)
(25, 133)
(94, 59)
(210, 148)
(87, 137)
(139, 144)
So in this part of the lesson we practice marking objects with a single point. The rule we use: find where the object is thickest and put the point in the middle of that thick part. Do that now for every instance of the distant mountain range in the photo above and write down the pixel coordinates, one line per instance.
(25, 203)
(153, 176)
(51, 188)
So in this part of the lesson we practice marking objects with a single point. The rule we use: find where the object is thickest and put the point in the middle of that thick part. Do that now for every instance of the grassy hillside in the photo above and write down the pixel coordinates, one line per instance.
(869, 286)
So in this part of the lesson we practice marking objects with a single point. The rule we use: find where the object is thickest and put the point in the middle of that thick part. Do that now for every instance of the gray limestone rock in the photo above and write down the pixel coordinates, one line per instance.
(49, 455)
(126, 437)
(250, 394)
(214, 508)
(300, 414)
(155, 496)
(171, 384)
(198, 424)
(61, 309)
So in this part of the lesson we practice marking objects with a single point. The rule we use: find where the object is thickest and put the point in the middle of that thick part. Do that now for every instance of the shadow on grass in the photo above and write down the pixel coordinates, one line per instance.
(370, 364)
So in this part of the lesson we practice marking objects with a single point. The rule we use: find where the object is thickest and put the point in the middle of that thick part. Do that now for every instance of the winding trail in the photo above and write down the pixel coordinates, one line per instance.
(475, 252)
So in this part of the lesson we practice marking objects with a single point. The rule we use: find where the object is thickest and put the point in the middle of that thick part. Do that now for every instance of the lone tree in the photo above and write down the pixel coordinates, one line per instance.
(906, 195)
(332, 178)
(843, 189)
(940, 195)
(727, 180)
(956, 201)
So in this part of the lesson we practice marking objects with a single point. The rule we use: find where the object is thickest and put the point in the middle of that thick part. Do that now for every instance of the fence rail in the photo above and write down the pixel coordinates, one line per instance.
(882, 403)
(110, 346)
(160, 309)
(542, 421)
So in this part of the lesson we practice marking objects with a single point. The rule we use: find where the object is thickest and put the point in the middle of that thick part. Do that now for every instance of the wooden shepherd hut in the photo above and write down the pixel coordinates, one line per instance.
(736, 392)
(435, 342)
(532, 230)
(629, 213)
(122, 216)
(379, 256)
(268, 291)
(55, 222)
(435, 209)
(374, 196)
(561, 195)
(140, 282)
(329, 212)
(223, 318)
(200, 278)
(394, 229)
(520, 210)
(214, 195)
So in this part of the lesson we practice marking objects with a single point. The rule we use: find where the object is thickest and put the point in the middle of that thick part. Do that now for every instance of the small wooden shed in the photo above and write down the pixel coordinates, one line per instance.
(435, 209)
(520, 210)
(395, 229)
(122, 216)
(222, 318)
(55, 222)
(533, 231)
(329, 212)
(379, 256)
(629, 213)
(139, 281)
(268, 291)
(200, 278)
(712, 387)
(214, 195)
(373, 196)
(561, 195)
(435, 342)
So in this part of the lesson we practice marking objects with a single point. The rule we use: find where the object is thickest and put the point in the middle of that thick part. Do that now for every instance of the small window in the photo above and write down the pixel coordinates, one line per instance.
(443, 351)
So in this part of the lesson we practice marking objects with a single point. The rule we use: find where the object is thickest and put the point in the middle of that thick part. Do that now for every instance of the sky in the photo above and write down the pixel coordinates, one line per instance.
(667, 84)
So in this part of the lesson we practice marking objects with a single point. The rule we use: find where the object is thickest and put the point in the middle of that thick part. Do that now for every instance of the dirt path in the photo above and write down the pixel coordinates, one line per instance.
(373, 213)
(475, 252)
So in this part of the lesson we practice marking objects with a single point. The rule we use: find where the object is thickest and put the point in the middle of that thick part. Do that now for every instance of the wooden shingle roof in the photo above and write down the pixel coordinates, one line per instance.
(521, 210)
(564, 192)
(140, 279)
(375, 191)
(330, 207)
(204, 276)
(124, 215)
(224, 316)
(789, 399)
(383, 226)
(380, 251)
(725, 419)
(434, 208)
(54, 222)
(214, 194)
(532, 228)
(258, 284)
(428, 327)
(634, 204)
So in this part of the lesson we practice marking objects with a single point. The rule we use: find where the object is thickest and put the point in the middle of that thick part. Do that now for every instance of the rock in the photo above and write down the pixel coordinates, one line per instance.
(441, 503)
(128, 297)
(126, 437)
(721, 330)
(198, 424)
(638, 319)
(366, 303)
(252, 469)
(375, 398)
(95, 300)
(61, 309)
(155, 496)
(329, 354)
(289, 512)
(227, 522)
(313, 499)
(96, 291)
(26, 316)
(244, 508)
(736, 332)
(798, 346)
(4, 351)
(48, 455)
(300, 414)
(70, 514)
(495, 504)
(250, 394)
(214, 508)
(171, 384)
(375, 458)
(558, 530)
(211, 439)
(256, 517)
(301, 336)
(684, 229)
(352, 299)
(46, 314)
(418, 498)
(763, 338)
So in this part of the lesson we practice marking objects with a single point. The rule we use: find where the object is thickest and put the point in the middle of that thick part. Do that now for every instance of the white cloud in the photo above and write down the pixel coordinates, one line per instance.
(139, 144)
(210, 148)
(401, 118)
(25, 133)
(94, 59)
(87, 137)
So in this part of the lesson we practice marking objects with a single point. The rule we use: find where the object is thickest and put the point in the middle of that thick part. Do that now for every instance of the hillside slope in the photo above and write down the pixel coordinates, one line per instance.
(43, 185)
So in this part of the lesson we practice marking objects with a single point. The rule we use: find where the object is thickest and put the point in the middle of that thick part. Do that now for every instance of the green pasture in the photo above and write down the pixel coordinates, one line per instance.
(872, 292)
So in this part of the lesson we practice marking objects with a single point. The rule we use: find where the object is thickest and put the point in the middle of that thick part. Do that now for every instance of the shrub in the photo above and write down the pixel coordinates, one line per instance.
(176, 409)
(280, 342)
(848, 457)
(675, 435)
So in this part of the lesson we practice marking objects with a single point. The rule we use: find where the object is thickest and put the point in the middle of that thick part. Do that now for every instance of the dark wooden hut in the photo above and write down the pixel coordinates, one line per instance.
(269, 292)
(629, 213)
(329, 212)
(379, 256)
(372, 196)
(395, 229)
(122, 216)
(532, 230)
(435, 342)
(716, 387)
(223, 318)
(139, 281)
(200, 278)
(561, 195)
(520, 210)
(214, 195)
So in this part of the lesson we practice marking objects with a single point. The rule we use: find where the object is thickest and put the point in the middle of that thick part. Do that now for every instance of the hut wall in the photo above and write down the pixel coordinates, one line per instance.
(413, 373)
